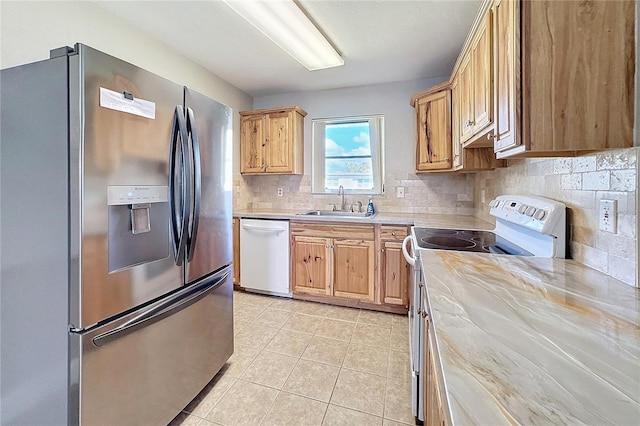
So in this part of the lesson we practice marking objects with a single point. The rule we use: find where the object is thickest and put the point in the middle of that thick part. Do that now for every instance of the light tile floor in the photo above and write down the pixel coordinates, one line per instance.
(304, 363)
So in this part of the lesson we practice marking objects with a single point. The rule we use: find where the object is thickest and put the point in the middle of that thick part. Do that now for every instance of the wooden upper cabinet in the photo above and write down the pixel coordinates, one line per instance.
(279, 142)
(476, 86)
(456, 145)
(252, 144)
(465, 99)
(506, 66)
(433, 133)
(482, 77)
(581, 97)
(272, 141)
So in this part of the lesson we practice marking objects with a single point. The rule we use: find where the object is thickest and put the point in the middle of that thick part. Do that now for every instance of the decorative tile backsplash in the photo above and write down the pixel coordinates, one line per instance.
(580, 183)
(426, 193)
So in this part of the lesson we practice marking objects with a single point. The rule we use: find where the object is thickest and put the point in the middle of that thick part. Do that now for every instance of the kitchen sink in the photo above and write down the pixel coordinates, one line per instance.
(338, 213)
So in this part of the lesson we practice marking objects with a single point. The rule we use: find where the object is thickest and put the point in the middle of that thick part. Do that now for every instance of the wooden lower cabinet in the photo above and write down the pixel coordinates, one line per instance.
(394, 273)
(353, 269)
(434, 409)
(333, 267)
(351, 265)
(394, 269)
(310, 263)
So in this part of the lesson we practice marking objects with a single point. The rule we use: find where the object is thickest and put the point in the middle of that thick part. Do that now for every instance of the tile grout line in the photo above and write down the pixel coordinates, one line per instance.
(322, 317)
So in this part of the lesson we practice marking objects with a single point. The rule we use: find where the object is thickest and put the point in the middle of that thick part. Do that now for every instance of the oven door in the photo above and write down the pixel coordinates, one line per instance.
(415, 324)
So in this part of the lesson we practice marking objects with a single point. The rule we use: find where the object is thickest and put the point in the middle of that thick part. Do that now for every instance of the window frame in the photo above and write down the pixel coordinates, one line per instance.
(318, 155)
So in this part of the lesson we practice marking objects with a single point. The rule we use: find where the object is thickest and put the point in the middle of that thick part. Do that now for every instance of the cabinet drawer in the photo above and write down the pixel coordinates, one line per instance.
(393, 233)
(352, 232)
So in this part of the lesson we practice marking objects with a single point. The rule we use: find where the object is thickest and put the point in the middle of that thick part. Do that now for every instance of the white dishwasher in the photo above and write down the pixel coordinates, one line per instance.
(264, 256)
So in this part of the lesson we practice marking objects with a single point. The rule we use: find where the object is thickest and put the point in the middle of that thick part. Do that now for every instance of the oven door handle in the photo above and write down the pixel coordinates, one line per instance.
(410, 259)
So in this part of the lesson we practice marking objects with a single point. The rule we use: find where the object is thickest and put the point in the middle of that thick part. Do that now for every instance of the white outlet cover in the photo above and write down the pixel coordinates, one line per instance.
(400, 192)
(280, 192)
(608, 215)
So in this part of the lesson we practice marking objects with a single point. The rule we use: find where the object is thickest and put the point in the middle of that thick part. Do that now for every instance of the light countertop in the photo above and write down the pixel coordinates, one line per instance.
(423, 220)
(526, 340)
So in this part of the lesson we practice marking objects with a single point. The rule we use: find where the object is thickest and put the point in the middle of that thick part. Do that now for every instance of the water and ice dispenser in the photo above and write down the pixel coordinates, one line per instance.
(138, 225)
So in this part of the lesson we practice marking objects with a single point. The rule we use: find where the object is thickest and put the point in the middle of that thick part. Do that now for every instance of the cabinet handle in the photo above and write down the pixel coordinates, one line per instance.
(382, 250)
(393, 234)
(446, 158)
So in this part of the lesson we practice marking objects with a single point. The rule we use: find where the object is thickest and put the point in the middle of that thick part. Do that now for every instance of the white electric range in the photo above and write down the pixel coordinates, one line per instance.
(525, 226)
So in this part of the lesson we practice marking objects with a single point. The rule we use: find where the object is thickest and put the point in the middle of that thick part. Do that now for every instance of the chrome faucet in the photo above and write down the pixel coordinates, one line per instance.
(343, 206)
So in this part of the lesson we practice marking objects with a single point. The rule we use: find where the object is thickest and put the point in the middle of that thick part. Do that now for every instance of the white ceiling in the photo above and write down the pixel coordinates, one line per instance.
(380, 40)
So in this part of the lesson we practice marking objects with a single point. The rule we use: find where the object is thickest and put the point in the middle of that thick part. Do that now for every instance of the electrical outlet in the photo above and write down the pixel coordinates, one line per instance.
(483, 194)
(280, 192)
(400, 192)
(608, 215)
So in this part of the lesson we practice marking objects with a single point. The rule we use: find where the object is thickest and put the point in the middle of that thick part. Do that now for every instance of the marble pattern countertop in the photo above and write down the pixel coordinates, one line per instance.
(423, 220)
(527, 340)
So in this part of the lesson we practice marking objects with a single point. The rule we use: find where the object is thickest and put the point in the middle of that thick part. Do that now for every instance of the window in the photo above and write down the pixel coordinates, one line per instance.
(349, 152)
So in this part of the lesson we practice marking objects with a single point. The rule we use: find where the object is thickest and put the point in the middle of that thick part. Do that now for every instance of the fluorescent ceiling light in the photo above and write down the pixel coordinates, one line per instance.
(288, 27)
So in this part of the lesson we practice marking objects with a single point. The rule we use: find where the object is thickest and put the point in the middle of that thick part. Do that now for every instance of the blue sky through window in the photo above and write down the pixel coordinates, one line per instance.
(348, 155)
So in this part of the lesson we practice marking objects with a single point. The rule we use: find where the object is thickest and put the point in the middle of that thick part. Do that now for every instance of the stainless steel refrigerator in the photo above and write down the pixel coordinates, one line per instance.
(115, 225)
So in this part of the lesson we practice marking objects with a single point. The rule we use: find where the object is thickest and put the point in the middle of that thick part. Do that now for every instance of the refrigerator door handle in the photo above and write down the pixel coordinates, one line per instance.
(179, 168)
(197, 187)
(177, 302)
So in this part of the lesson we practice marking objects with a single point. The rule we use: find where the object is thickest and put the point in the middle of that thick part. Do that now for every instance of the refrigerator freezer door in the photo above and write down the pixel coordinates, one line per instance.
(146, 367)
(125, 123)
(211, 249)
(34, 265)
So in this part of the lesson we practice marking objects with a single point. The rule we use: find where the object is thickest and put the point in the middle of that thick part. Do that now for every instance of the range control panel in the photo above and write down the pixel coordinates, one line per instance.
(536, 213)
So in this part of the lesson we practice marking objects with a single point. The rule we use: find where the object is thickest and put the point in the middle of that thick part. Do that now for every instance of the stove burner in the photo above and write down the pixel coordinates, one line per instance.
(451, 243)
(455, 239)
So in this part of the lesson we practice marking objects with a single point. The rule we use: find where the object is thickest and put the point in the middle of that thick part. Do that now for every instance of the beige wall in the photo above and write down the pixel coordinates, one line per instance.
(29, 29)
(580, 182)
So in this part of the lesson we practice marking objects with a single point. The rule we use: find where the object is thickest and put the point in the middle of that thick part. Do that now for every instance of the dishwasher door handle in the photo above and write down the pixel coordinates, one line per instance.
(262, 230)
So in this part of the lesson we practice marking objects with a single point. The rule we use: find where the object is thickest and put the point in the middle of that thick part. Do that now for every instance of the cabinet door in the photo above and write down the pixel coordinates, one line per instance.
(482, 66)
(310, 263)
(466, 98)
(456, 144)
(506, 68)
(394, 274)
(353, 269)
(434, 414)
(433, 151)
(236, 251)
(279, 145)
(252, 144)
